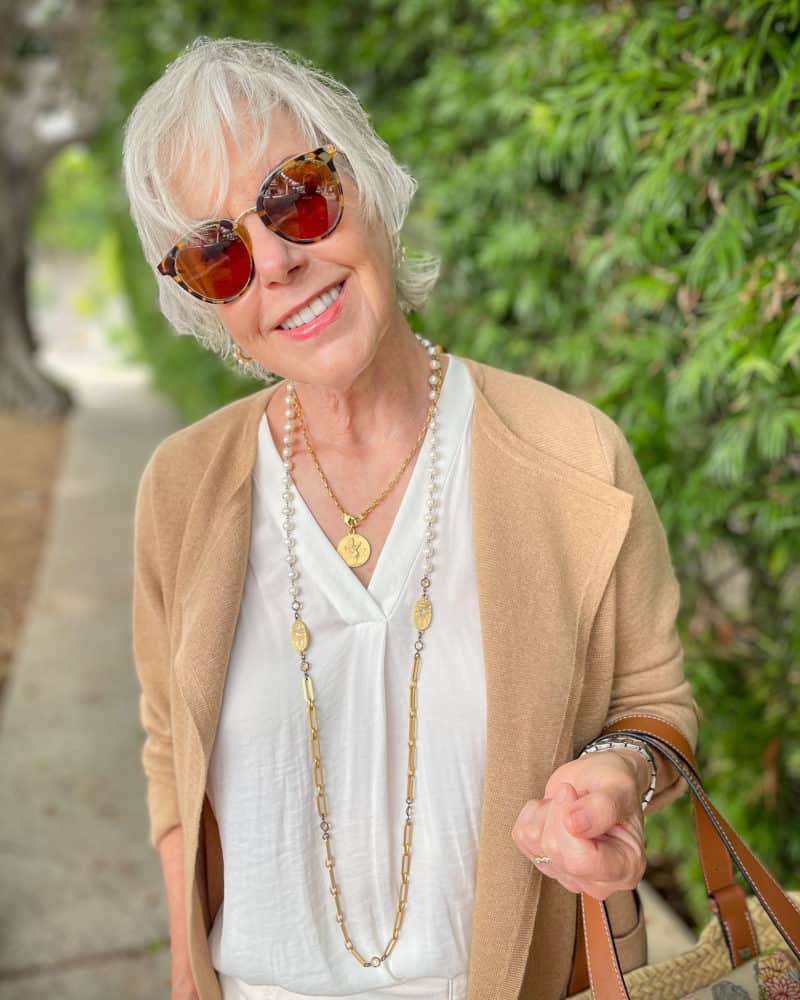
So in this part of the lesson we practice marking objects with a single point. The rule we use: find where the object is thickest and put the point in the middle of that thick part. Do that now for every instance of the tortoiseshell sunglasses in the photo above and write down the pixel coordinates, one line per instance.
(301, 201)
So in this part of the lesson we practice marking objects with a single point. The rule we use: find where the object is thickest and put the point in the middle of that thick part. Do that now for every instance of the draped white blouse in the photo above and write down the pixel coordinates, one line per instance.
(275, 935)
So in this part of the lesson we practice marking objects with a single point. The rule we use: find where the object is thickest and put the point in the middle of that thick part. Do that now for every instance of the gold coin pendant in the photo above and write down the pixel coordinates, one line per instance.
(354, 549)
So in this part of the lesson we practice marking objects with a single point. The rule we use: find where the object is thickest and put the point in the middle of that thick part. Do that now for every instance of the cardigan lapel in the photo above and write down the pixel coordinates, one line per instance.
(545, 537)
(209, 606)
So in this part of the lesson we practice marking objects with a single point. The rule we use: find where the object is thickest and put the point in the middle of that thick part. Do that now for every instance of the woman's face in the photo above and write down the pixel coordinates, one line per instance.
(288, 276)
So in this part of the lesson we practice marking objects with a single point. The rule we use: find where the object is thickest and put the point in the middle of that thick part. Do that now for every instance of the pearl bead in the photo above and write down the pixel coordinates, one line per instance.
(293, 574)
(287, 464)
(429, 536)
(432, 394)
(427, 553)
(436, 364)
(433, 380)
(425, 342)
(289, 426)
(287, 453)
(427, 568)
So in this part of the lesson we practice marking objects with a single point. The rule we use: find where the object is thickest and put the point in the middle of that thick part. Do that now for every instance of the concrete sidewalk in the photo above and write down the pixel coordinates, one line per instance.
(82, 912)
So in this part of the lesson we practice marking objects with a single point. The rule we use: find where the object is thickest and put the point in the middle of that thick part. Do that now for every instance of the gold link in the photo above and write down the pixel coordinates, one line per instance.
(415, 670)
(334, 886)
(389, 948)
(357, 955)
(412, 760)
(316, 749)
(406, 865)
(403, 894)
(410, 787)
(413, 697)
(313, 721)
(308, 689)
(412, 727)
(398, 922)
(319, 780)
(322, 804)
(408, 833)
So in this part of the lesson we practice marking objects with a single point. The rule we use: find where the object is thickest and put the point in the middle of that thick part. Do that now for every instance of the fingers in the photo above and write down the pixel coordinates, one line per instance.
(599, 864)
(593, 815)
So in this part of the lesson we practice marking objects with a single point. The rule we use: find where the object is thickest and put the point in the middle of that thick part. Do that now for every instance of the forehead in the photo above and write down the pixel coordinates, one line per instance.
(246, 155)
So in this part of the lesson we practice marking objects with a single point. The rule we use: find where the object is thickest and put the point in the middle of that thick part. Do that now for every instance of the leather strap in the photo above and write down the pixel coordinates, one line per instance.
(579, 980)
(714, 833)
(727, 899)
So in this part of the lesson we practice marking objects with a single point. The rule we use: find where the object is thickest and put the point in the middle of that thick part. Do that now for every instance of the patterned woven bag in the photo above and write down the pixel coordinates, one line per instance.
(751, 949)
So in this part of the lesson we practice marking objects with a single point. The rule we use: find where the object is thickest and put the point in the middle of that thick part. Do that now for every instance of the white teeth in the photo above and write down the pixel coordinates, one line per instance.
(313, 309)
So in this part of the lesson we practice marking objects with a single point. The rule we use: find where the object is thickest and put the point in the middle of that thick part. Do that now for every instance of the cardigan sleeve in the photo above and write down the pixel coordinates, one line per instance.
(648, 676)
(151, 650)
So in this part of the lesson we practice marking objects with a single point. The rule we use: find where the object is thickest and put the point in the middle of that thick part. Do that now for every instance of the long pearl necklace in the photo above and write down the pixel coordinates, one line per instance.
(301, 639)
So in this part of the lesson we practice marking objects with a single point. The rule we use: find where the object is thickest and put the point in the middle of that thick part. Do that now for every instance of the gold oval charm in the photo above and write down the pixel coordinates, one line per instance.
(354, 549)
(423, 613)
(299, 636)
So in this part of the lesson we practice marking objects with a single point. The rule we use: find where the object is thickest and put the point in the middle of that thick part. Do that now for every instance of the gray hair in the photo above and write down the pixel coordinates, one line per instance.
(215, 88)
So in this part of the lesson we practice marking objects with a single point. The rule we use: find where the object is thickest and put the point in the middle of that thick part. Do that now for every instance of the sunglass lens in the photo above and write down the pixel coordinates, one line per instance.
(215, 262)
(303, 200)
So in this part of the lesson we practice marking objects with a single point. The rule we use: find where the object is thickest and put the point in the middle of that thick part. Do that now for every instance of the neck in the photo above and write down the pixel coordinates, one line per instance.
(387, 401)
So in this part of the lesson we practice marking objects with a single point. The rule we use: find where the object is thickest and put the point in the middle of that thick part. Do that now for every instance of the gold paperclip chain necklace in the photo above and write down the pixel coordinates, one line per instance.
(354, 547)
(301, 639)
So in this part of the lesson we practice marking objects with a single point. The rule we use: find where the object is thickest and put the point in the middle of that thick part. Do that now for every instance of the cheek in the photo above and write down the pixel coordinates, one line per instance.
(239, 318)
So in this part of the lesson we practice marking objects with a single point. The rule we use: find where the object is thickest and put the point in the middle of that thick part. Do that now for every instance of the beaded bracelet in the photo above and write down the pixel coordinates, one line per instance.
(604, 743)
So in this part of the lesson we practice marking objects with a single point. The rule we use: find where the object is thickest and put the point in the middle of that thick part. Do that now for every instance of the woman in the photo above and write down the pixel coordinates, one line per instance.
(381, 605)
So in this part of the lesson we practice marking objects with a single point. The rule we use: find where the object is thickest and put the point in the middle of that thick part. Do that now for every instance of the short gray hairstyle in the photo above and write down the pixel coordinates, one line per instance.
(214, 89)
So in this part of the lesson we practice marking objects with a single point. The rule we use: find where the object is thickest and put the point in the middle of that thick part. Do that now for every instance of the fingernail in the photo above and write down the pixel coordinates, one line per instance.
(580, 821)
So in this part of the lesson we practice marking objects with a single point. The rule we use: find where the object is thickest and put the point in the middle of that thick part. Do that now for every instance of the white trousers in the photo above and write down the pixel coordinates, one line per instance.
(430, 988)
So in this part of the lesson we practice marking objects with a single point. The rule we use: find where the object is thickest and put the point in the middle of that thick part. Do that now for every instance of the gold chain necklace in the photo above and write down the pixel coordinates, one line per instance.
(354, 547)
(301, 639)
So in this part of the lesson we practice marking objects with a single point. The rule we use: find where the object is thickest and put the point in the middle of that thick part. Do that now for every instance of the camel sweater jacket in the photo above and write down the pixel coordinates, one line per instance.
(577, 598)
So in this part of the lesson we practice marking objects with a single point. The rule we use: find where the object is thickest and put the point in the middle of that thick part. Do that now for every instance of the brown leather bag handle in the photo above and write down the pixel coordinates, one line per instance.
(715, 835)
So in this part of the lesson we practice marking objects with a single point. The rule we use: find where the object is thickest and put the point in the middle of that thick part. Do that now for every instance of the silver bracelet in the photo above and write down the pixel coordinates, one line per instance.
(606, 743)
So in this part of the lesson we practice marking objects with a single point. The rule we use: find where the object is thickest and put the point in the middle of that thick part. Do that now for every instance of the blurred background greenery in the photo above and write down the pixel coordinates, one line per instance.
(614, 189)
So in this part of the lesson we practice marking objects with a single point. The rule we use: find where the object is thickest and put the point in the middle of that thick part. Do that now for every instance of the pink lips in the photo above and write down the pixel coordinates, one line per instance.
(307, 330)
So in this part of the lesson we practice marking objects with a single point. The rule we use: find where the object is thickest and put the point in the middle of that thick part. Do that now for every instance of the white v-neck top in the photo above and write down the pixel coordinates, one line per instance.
(277, 925)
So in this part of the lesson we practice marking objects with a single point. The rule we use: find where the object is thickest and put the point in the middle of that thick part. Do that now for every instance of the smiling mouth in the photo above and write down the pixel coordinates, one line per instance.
(315, 308)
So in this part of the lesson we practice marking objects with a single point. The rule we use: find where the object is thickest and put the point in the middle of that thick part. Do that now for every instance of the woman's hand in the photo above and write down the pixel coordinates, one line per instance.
(589, 824)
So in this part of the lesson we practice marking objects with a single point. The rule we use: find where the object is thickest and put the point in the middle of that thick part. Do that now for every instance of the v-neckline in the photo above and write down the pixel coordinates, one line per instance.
(401, 549)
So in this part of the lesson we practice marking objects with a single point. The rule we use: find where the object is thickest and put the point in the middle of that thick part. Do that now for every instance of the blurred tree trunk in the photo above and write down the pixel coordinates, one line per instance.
(53, 78)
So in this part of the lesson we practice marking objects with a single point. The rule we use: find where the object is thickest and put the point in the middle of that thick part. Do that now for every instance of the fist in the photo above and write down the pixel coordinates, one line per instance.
(589, 824)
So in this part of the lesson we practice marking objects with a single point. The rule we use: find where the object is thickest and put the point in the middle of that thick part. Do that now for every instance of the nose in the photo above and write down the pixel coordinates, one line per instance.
(274, 258)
